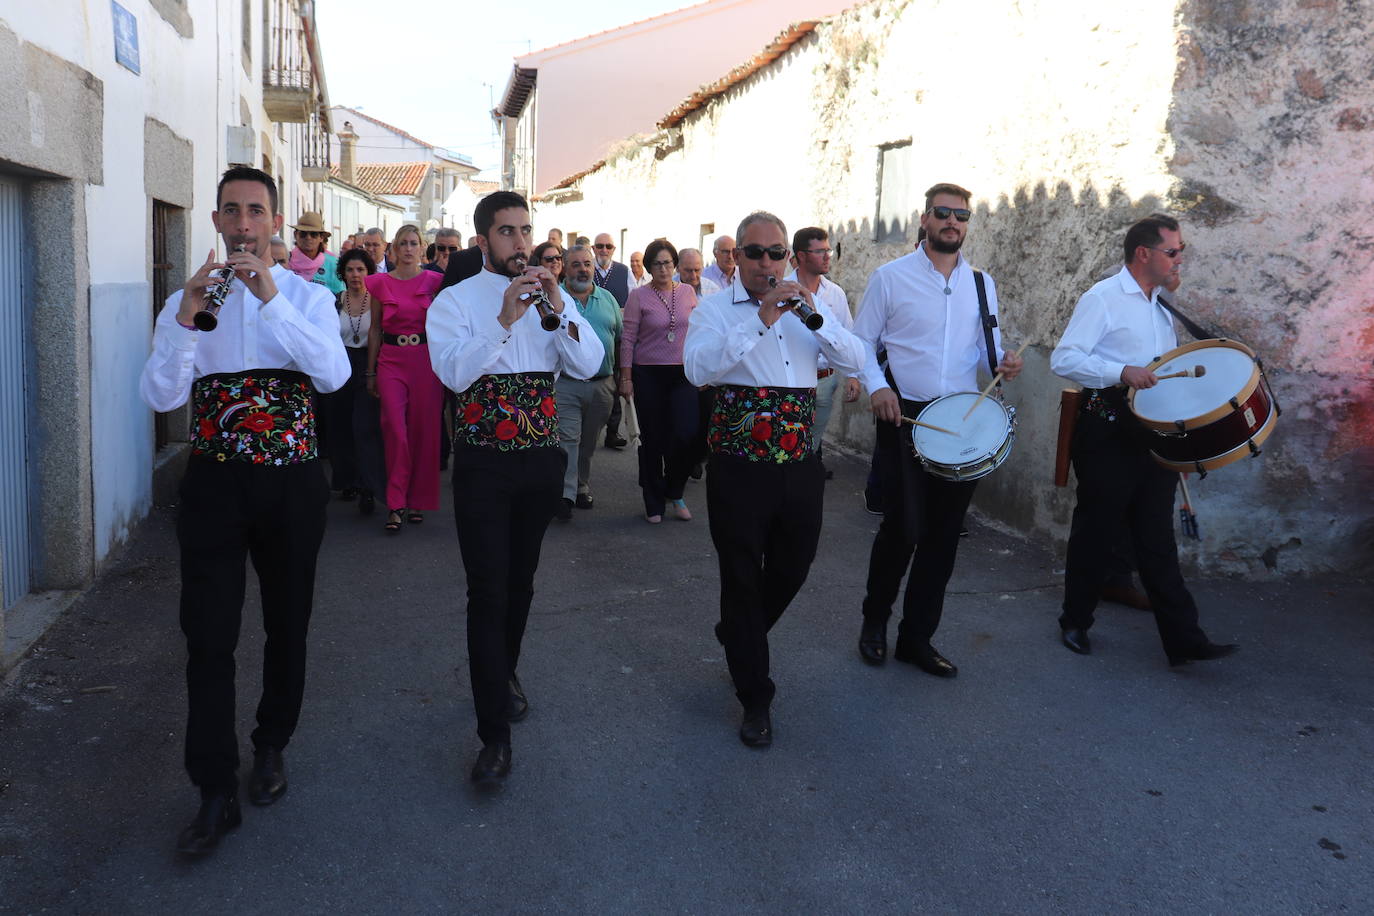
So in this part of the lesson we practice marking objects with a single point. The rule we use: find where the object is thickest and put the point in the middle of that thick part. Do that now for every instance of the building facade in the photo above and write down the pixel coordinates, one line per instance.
(119, 120)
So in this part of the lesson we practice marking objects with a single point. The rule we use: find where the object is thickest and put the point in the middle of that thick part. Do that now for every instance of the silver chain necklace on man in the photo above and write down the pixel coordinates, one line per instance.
(671, 305)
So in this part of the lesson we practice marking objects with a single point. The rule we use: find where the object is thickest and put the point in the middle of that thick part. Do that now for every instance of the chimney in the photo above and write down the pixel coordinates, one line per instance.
(348, 142)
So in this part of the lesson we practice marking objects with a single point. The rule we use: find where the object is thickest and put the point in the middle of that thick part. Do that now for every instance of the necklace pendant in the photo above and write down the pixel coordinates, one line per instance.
(355, 340)
(672, 336)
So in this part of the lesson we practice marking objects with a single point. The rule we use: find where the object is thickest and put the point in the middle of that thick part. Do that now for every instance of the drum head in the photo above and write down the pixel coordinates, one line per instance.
(1230, 371)
(975, 439)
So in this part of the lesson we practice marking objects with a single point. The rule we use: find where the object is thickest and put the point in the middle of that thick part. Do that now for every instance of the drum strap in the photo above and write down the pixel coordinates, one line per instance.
(989, 321)
(1191, 326)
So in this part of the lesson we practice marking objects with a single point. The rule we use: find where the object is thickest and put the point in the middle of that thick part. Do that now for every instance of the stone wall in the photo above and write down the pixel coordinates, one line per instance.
(1251, 121)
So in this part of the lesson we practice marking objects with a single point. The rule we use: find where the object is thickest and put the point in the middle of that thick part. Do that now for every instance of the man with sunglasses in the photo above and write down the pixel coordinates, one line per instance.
(924, 309)
(447, 241)
(1117, 328)
(614, 278)
(764, 489)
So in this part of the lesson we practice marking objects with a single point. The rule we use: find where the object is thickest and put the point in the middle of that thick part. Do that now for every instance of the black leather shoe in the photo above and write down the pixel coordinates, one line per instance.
(267, 782)
(564, 513)
(366, 502)
(1076, 640)
(1204, 653)
(583, 501)
(217, 816)
(614, 441)
(698, 470)
(873, 642)
(757, 729)
(518, 706)
(492, 766)
(925, 658)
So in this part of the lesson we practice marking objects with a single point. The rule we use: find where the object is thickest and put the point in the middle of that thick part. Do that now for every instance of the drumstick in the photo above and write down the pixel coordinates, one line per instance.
(938, 429)
(1195, 372)
(991, 385)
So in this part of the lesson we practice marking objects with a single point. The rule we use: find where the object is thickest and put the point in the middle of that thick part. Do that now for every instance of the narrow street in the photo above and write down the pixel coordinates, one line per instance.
(1037, 781)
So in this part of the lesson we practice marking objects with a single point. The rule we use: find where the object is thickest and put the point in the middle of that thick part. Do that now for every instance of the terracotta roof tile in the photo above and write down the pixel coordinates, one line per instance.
(403, 178)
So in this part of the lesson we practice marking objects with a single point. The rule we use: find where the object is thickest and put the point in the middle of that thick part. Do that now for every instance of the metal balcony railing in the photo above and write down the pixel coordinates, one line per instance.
(288, 84)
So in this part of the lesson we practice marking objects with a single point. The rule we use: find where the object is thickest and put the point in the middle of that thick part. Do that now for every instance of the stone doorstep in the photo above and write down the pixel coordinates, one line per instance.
(26, 622)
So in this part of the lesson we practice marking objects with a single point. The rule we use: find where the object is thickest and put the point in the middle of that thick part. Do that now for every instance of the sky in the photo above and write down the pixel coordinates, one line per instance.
(438, 72)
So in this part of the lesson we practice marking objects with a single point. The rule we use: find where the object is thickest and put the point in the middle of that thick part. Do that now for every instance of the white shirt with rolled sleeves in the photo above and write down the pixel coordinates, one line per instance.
(466, 341)
(298, 329)
(728, 344)
(934, 339)
(833, 296)
(1114, 325)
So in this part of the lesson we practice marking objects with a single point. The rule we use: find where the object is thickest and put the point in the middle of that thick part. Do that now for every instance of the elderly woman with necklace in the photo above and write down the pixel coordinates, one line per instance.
(401, 375)
(354, 425)
(651, 373)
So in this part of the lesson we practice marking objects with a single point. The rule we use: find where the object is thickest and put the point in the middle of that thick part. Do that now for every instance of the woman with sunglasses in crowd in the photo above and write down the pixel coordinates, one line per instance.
(549, 255)
(651, 373)
(401, 375)
(309, 260)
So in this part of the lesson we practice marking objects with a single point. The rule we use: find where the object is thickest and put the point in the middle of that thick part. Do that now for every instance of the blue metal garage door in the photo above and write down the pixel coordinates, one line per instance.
(14, 462)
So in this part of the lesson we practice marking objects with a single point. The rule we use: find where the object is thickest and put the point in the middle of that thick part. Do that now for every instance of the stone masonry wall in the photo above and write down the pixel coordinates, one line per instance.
(1250, 121)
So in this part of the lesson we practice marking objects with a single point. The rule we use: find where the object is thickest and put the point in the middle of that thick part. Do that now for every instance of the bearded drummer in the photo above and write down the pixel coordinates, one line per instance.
(926, 309)
(1117, 329)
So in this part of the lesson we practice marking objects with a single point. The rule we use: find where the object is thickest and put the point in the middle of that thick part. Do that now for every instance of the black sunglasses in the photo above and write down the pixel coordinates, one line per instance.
(959, 213)
(448, 248)
(756, 252)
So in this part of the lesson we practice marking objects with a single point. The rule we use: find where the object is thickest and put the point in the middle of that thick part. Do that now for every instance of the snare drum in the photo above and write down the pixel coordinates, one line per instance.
(1204, 423)
(978, 445)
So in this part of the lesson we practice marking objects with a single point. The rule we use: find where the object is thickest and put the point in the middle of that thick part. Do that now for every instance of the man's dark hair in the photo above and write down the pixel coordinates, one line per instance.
(355, 254)
(429, 252)
(945, 187)
(804, 237)
(651, 251)
(247, 173)
(493, 203)
(1146, 233)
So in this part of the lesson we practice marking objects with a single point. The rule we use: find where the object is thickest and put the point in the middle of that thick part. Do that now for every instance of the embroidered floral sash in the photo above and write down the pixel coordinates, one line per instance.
(508, 412)
(762, 424)
(263, 417)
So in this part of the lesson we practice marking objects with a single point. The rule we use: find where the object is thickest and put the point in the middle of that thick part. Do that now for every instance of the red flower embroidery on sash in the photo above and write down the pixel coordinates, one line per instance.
(208, 428)
(258, 422)
(547, 407)
(762, 431)
(788, 442)
(505, 430)
(472, 413)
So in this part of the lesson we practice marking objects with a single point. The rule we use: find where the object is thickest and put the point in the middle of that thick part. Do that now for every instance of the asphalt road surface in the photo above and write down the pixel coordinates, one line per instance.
(1037, 781)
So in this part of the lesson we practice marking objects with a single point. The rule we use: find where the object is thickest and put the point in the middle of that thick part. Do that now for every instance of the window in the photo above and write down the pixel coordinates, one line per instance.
(897, 195)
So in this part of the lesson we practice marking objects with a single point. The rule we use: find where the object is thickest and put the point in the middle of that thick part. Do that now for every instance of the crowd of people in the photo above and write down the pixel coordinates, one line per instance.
(528, 351)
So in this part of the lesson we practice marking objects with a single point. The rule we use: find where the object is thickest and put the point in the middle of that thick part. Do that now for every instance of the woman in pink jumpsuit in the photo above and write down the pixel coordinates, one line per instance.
(412, 396)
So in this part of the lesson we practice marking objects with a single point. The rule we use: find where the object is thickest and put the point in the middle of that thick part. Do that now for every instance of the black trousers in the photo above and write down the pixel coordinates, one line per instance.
(355, 431)
(502, 503)
(765, 524)
(1119, 484)
(232, 512)
(667, 406)
(922, 515)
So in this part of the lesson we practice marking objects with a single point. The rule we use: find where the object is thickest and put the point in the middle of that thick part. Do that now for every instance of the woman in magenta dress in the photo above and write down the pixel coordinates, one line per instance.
(401, 375)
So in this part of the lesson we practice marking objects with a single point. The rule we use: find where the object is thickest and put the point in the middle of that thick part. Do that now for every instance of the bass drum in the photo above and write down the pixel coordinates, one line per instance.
(1203, 423)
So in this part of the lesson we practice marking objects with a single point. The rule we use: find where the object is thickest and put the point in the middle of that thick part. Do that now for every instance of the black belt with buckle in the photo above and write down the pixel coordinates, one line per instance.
(405, 340)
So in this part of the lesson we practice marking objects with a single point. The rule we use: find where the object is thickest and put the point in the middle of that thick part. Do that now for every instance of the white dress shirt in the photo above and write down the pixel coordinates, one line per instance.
(635, 284)
(930, 328)
(298, 329)
(1114, 325)
(727, 344)
(466, 341)
(833, 296)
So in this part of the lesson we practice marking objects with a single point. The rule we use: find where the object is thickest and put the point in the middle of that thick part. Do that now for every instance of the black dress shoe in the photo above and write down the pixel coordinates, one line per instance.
(492, 766)
(1076, 640)
(873, 642)
(366, 502)
(267, 782)
(565, 507)
(925, 658)
(1204, 653)
(615, 441)
(583, 501)
(518, 706)
(217, 816)
(698, 469)
(757, 729)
